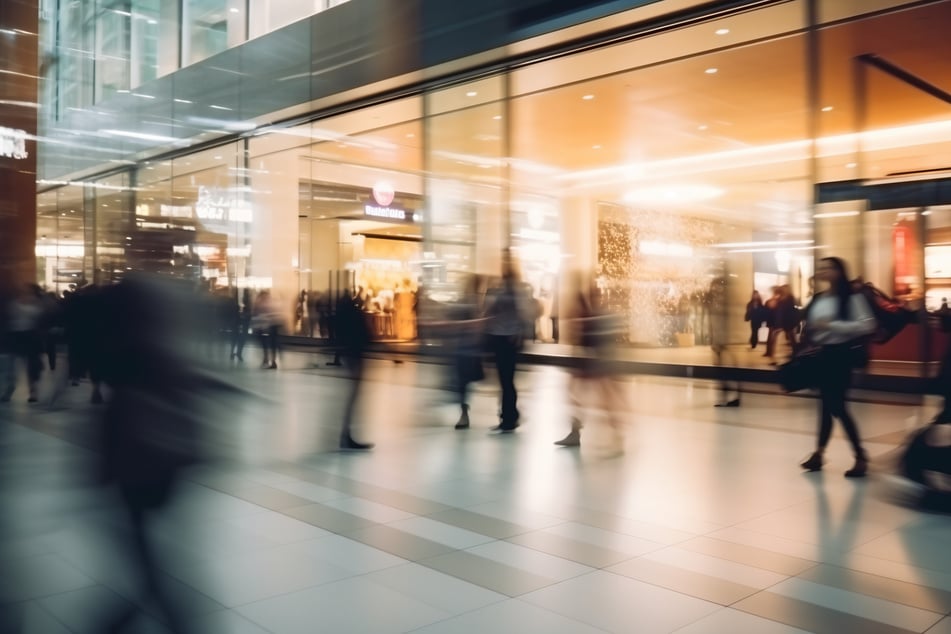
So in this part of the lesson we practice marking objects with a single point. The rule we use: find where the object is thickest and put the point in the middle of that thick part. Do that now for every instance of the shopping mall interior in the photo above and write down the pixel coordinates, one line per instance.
(656, 163)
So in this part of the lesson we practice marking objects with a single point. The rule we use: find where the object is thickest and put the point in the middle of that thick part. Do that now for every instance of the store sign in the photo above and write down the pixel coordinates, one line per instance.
(212, 205)
(381, 205)
(13, 144)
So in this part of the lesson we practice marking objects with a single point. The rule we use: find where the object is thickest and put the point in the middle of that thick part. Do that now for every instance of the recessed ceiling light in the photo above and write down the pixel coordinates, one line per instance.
(218, 158)
(702, 127)
(588, 97)
(497, 117)
(722, 31)
(850, 165)
(410, 135)
(827, 109)
(595, 147)
(471, 93)
(235, 10)
(711, 71)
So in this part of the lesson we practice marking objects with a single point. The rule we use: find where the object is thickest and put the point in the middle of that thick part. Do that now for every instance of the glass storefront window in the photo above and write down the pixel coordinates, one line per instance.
(210, 27)
(466, 182)
(113, 215)
(339, 204)
(660, 179)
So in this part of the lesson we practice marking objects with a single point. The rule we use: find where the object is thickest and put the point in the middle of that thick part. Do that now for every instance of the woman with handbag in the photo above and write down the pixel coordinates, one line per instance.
(836, 320)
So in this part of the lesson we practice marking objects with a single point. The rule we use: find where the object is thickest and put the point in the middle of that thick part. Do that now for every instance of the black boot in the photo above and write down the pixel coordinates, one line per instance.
(347, 443)
(463, 419)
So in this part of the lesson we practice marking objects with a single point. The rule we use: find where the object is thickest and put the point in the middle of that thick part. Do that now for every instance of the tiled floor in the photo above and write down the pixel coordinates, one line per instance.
(704, 524)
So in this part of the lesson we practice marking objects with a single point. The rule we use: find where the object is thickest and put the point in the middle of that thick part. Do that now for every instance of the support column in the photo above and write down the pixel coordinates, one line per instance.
(19, 52)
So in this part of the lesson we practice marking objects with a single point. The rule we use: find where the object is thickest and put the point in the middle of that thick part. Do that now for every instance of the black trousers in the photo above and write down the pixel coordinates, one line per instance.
(505, 349)
(835, 378)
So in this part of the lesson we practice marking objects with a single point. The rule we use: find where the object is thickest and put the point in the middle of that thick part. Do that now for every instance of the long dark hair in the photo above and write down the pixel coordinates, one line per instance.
(842, 287)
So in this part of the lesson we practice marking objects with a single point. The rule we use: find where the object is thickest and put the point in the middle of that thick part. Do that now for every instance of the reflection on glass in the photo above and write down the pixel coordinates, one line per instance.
(205, 28)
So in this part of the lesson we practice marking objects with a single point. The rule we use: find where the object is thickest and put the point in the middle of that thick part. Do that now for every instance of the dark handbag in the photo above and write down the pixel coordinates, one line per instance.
(800, 372)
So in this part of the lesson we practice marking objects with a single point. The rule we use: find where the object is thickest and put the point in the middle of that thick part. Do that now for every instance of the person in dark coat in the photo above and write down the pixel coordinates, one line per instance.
(353, 338)
(755, 315)
(148, 430)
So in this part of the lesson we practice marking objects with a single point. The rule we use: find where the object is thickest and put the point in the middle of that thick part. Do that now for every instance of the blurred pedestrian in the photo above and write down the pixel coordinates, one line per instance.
(25, 320)
(149, 431)
(590, 326)
(467, 344)
(242, 323)
(266, 320)
(510, 317)
(353, 338)
(8, 378)
(836, 321)
(755, 315)
(723, 356)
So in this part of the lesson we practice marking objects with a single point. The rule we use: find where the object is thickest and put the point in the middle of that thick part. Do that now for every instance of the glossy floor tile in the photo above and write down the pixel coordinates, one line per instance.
(703, 524)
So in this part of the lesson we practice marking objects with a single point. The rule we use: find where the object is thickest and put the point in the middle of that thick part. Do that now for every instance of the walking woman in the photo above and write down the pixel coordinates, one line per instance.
(835, 319)
(755, 315)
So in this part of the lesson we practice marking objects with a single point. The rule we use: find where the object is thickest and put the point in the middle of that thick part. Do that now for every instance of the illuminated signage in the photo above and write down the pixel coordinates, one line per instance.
(383, 195)
(212, 205)
(389, 213)
(13, 143)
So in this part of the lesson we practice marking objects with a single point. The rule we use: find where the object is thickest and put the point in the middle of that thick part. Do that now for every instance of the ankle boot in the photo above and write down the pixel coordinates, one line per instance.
(813, 463)
(573, 439)
(464, 418)
(859, 470)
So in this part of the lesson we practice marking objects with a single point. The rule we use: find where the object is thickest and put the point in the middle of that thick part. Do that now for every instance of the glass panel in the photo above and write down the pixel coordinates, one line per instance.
(206, 27)
(113, 27)
(75, 55)
(337, 204)
(661, 179)
(466, 192)
(207, 222)
(145, 47)
(906, 130)
(937, 271)
(114, 238)
(270, 15)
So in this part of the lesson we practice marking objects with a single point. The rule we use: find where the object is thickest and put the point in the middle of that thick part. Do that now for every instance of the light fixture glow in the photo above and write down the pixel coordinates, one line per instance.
(588, 97)
(595, 147)
(702, 127)
(850, 165)
(712, 71)
(672, 194)
(497, 117)
(836, 214)
(722, 31)
(471, 93)
(827, 108)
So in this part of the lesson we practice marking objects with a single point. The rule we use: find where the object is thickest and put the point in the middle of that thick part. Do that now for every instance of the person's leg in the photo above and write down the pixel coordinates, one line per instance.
(507, 377)
(462, 391)
(826, 406)
(8, 376)
(576, 388)
(273, 334)
(771, 342)
(354, 364)
(839, 409)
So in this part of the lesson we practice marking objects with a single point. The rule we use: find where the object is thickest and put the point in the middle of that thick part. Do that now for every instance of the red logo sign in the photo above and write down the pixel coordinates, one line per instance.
(383, 193)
